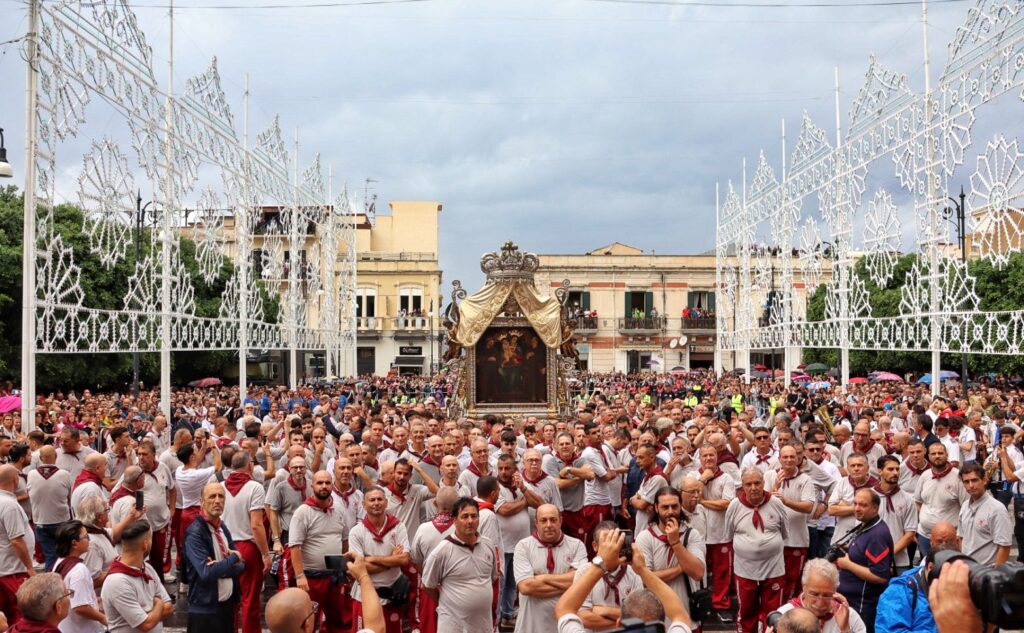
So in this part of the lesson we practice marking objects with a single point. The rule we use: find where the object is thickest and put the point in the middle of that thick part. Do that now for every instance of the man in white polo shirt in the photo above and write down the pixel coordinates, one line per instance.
(89, 481)
(458, 574)
(544, 565)
(897, 509)
(16, 543)
(602, 607)
(160, 497)
(796, 492)
(133, 598)
(315, 532)
(939, 496)
(654, 479)
(243, 515)
(514, 500)
(985, 530)
(49, 490)
(383, 540)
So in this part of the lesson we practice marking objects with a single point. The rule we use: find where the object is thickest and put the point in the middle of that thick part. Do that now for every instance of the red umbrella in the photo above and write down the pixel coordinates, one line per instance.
(761, 367)
(859, 380)
(207, 382)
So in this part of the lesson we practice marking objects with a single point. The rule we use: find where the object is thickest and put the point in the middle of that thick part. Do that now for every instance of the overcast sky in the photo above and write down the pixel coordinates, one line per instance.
(561, 124)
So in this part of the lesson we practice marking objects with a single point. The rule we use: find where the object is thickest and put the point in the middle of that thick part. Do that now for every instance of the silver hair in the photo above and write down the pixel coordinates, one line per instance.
(823, 568)
(90, 509)
(751, 471)
(38, 595)
(643, 604)
(132, 474)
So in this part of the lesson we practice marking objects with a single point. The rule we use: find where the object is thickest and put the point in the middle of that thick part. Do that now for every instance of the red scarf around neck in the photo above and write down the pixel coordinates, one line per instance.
(726, 457)
(93, 530)
(452, 539)
(86, 476)
(611, 585)
(757, 519)
(120, 493)
(543, 475)
(118, 567)
(326, 508)
(66, 565)
(47, 470)
(235, 482)
(656, 471)
(429, 459)
(914, 469)
(937, 474)
(550, 547)
(442, 521)
(296, 487)
(509, 488)
(344, 495)
(781, 478)
(473, 469)
(887, 495)
(390, 523)
(484, 505)
(870, 482)
(25, 625)
(396, 492)
(599, 447)
(664, 539)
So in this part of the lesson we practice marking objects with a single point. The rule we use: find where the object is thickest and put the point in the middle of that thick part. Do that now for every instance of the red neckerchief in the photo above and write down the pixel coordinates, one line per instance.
(120, 493)
(509, 488)
(215, 524)
(870, 482)
(91, 529)
(66, 565)
(664, 539)
(718, 473)
(473, 469)
(326, 508)
(429, 459)
(235, 481)
(797, 602)
(763, 459)
(151, 473)
(117, 567)
(345, 495)
(484, 505)
(442, 521)
(936, 475)
(726, 457)
(756, 519)
(888, 496)
(390, 523)
(452, 539)
(780, 477)
(47, 470)
(550, 547)
(222, 442)
(917, 471)
(657, 470)
(71, 453)
(85, 477)
(542, 477)
(394, 490)
(374, 465)
(871, 445)
(494, 444)
(611, 585)
(600, 450)
(296, 487)
(25, 625)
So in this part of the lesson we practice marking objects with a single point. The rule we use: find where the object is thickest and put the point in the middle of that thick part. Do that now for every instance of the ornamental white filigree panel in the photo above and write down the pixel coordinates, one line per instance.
(916, 150)
(106, 193)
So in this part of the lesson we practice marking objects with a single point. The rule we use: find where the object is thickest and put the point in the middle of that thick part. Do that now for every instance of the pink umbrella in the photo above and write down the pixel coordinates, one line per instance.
(859, 380)
(206, 382)
(887, 377)
(801, 378)
(10, 403)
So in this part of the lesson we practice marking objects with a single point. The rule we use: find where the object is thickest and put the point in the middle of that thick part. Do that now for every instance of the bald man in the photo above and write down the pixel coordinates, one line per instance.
(212, 566)
(291, 610)
(49, 489)
(122, 502)
(16, 544)
(423, 543)
(544, 565)
(89, 482)
(798, 620)
(944, 533)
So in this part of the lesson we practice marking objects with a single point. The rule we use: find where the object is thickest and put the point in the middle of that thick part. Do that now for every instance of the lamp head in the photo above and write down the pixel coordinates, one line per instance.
(5, 167)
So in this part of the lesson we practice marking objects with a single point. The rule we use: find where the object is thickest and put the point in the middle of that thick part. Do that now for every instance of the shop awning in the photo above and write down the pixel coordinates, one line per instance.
(408, 361)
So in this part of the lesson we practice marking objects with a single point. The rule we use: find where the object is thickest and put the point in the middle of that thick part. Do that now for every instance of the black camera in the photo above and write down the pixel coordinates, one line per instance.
(997, 592)
(834, 553)
(773, 619)
(627, 546)
(638, 626)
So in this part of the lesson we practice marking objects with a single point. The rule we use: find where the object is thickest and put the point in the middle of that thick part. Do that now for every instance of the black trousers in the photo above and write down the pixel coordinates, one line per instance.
(223, 621)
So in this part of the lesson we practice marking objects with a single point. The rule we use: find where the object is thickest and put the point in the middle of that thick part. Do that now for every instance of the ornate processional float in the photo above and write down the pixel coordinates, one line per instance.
(510, 347)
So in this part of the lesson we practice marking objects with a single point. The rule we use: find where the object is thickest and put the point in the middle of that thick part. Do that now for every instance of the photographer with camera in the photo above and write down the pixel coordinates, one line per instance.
(820, 581)
(602, 608)
(656, 604)
(867, 565)
(904, 606)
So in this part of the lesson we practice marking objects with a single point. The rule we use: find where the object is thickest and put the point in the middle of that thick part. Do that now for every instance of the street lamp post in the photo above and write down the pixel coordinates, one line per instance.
(959, 210)
(5, 167)
(140, 215)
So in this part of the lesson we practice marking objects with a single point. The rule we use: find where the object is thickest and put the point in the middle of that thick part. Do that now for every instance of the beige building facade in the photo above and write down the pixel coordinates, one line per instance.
(643, 312)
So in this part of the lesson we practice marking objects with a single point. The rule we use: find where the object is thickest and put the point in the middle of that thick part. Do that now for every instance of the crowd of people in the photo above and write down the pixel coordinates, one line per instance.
(361, 505)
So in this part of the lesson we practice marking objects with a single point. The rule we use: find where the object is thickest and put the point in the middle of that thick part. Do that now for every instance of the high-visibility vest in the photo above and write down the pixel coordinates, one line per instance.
(737, 403)
(774, 404)
(691, 401)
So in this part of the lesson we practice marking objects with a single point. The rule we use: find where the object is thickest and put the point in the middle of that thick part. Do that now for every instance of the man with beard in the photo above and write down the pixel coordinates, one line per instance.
(897, 510)
(382, 539)
(939, 496)
(603, 605)
(570, 473)
(283, 499)
(796, 492)
(756, 524)
(458, 574)
(863, 444)
(820, 580)
(867, 566)
(719, 490)
(212, 567)
(544, 565)
(423, 543)
(653, 481)
(133, 598)
(317, 530)
(514, 499)
(841, 500)
(673, 550)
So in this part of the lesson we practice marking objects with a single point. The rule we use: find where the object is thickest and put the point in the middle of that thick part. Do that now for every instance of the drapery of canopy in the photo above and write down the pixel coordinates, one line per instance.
(478, 310)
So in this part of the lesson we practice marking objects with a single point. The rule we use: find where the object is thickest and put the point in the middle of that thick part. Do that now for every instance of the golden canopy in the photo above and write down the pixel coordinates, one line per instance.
(478, 310)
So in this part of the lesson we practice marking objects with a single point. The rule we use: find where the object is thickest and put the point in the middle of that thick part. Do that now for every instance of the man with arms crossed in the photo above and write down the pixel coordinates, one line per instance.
(544, 565)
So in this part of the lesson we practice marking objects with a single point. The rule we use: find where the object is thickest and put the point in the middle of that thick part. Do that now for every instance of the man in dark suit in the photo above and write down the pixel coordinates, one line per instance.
(212, 567)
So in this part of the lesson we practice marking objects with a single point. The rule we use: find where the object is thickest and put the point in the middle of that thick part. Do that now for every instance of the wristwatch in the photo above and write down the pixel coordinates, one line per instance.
(599, 562)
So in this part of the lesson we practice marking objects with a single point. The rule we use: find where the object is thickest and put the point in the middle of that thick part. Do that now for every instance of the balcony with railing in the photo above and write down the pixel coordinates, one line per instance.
(699, 323)
(368, 325)
(586, 326)
(641, 326)
(411, 326)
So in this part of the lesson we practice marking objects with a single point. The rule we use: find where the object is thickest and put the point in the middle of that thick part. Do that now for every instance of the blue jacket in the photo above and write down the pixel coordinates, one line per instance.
(899, 611)
(202, 578)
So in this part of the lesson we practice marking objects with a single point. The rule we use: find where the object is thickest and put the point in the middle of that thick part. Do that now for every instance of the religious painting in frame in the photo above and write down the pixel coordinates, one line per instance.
(511, 366)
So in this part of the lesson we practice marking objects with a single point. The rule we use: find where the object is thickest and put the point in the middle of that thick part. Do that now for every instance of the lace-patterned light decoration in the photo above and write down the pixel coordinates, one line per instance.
(272, 255)
(995, 201)
(205, 91)
(106, 192)
(958, 287)
(59, 277)
(209, 245)
(229, 305)
(914, 296)
(810, 254)
(881, 237)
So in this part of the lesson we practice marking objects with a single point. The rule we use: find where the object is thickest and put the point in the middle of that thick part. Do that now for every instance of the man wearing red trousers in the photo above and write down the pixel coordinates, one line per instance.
(569, 472)
(317, 530)
(160, 496)
(426, 539)
(383, 541)
(243, 514)
(597, 492)
(796, 491)
(757, 526)
(719, 490)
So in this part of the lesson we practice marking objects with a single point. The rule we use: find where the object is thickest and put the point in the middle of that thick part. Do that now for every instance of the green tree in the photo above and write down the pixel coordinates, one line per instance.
(104, 288)
(998, 289)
